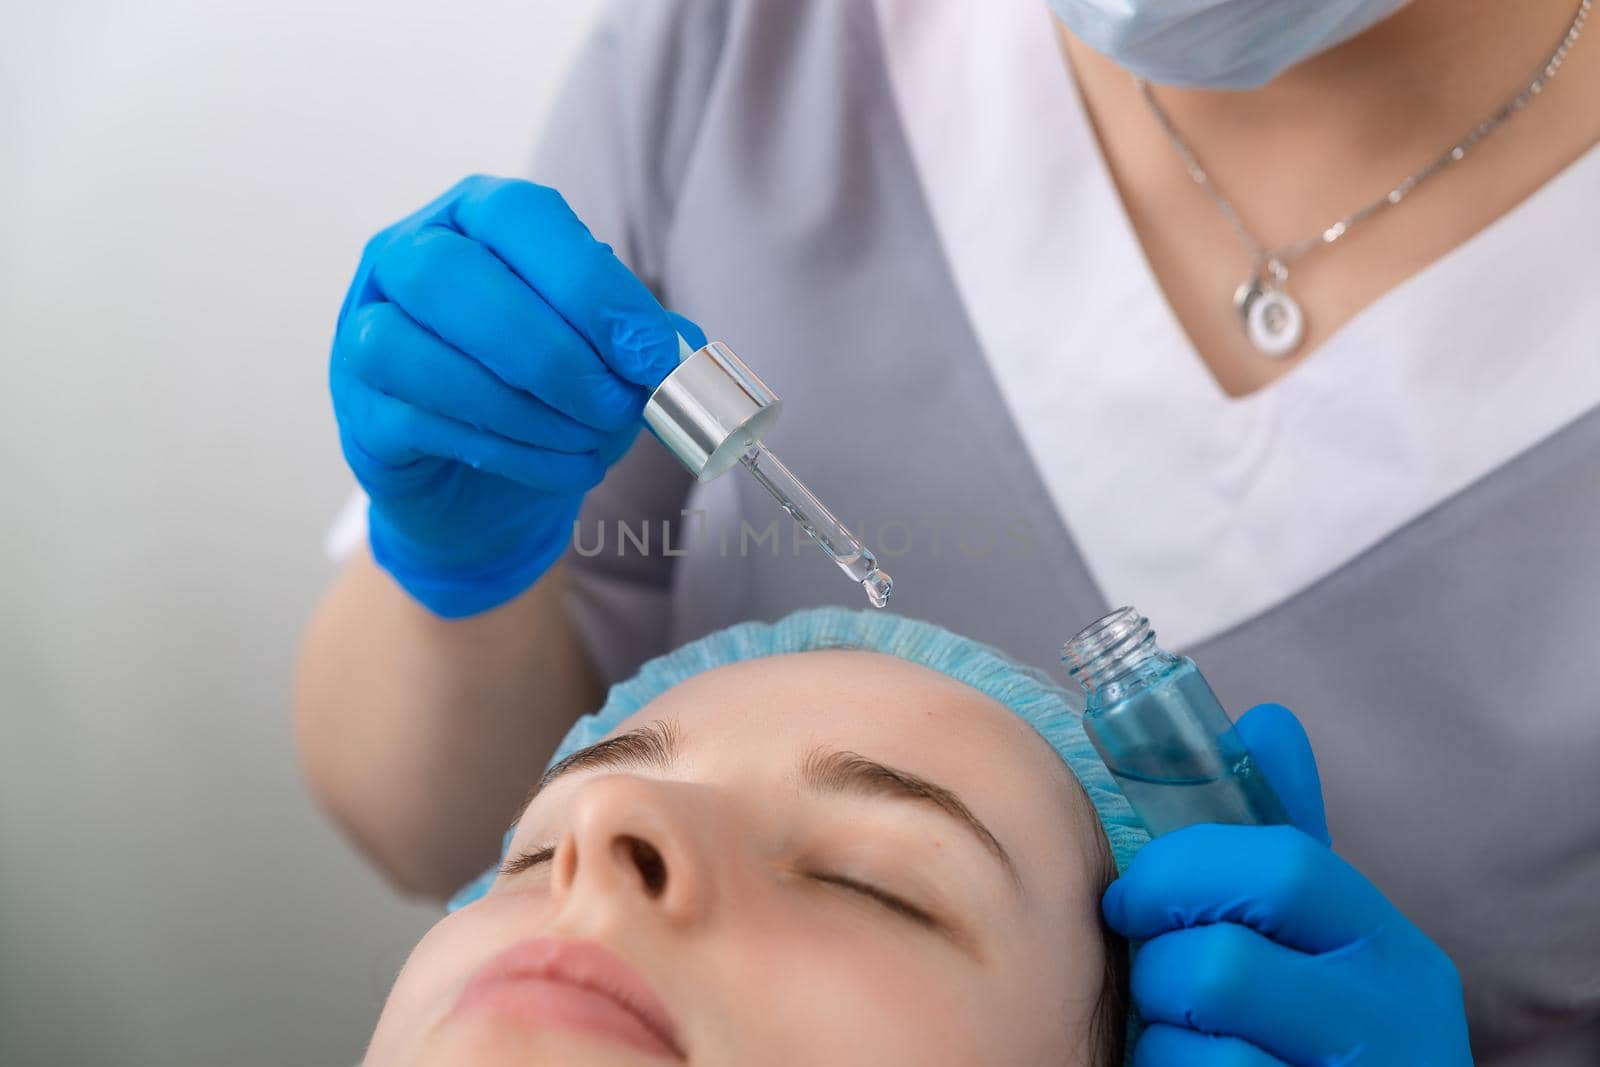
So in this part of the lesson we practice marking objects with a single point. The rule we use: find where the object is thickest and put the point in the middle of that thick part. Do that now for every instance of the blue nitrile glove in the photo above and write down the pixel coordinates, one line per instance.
(491, 361)
(1265, 948)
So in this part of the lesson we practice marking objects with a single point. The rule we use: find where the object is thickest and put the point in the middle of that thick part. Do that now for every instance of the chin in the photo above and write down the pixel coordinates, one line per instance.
(488, 1044)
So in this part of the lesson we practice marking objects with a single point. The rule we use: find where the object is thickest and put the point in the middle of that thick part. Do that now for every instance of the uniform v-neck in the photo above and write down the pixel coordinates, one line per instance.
(1201, 507)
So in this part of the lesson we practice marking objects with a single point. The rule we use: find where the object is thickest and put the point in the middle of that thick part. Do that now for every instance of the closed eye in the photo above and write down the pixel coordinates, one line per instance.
(887, 899)
(531, 858)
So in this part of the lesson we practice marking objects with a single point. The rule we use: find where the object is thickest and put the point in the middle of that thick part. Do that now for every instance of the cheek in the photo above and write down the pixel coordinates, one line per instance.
(820, 981)
(438, 968)
(823, 981)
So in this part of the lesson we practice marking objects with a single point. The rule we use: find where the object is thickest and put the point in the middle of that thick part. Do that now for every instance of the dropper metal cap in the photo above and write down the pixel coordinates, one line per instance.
(710, 409)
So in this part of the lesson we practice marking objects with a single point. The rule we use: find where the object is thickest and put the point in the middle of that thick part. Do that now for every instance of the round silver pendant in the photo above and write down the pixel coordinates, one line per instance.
(1272, 320)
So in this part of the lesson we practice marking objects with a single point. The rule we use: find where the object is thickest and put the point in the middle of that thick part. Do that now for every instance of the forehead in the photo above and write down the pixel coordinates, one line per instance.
(756, 720)
(841, 695)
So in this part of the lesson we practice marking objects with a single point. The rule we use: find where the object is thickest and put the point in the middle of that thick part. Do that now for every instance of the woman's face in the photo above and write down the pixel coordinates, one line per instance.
(832, 857)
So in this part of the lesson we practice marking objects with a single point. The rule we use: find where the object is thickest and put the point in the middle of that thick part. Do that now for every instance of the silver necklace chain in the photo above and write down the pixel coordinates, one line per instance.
(1272, 320)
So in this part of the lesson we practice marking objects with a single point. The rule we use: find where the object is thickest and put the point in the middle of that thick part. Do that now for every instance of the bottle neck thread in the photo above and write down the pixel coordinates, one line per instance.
(1109, 647)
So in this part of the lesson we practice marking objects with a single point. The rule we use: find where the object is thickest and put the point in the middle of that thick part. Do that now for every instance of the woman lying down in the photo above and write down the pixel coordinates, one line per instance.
(858, 839)
(838, 839)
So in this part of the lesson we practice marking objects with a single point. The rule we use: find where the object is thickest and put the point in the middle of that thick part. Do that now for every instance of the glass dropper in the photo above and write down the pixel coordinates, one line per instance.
(819, 524)
(711, 413)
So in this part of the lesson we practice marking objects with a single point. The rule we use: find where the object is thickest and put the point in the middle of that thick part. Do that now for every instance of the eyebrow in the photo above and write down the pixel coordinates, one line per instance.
(656, 746)
(831, 771)
(652, 747)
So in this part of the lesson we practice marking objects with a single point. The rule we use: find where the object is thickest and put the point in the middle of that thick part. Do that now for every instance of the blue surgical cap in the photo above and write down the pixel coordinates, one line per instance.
(1028, 692)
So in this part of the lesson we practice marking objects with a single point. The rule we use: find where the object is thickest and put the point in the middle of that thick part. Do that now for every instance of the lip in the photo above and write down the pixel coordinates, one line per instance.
(574, 985)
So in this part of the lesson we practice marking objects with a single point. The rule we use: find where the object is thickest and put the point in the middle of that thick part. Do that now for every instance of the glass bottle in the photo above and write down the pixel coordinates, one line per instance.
(1161, 732)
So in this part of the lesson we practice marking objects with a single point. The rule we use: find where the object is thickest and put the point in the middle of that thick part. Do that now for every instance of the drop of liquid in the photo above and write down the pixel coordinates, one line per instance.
(878, 585)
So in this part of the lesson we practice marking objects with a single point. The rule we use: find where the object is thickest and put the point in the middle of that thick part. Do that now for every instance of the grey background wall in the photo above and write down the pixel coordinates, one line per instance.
(185, 186)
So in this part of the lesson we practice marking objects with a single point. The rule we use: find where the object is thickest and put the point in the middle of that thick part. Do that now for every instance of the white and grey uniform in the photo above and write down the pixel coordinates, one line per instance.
(898, 215)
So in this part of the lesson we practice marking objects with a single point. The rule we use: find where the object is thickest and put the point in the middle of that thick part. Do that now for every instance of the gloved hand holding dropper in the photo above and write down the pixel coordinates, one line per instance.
(491, 361)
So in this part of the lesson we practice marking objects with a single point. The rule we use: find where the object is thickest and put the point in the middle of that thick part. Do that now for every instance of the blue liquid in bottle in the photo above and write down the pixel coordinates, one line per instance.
(1161, 731)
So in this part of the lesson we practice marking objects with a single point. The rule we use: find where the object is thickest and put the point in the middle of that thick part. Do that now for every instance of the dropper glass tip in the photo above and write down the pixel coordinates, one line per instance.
(878, 585)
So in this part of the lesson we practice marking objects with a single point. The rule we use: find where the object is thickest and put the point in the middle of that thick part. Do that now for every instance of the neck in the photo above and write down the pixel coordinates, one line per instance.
(1443, 58)
(1332, 135)
(1411, 83)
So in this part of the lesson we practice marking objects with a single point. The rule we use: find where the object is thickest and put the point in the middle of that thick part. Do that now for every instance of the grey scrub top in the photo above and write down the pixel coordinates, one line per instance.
(747, 160)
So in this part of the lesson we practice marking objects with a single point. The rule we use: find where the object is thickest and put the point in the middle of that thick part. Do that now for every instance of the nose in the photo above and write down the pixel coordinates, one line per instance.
(635, 841)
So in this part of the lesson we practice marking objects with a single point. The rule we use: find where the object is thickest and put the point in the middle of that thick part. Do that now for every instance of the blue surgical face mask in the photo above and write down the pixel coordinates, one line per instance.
(1217, 44)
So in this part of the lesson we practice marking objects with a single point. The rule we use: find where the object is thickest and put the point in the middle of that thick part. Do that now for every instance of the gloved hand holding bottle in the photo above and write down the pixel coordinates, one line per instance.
(1263, 948)
(491, 360)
